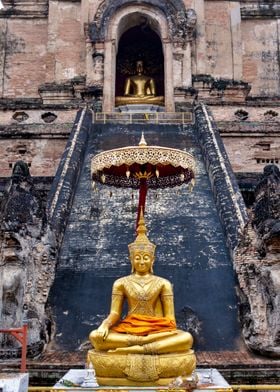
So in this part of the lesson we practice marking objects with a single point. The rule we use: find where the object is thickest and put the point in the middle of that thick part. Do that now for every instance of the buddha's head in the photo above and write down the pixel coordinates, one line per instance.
(139, 67)
(142, 251)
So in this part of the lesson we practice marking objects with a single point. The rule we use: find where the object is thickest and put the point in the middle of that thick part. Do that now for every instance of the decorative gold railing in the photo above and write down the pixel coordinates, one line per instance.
(238, 388)
(143, 118)
(264, 387)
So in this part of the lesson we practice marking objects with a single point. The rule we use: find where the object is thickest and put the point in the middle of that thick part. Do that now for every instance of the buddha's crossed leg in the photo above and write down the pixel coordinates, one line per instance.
(157, 343)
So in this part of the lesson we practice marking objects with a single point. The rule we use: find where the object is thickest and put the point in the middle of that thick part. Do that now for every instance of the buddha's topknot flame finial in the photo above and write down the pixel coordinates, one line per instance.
(141, 242)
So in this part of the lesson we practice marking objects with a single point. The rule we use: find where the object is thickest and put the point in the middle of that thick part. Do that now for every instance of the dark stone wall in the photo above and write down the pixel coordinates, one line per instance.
(191, 247)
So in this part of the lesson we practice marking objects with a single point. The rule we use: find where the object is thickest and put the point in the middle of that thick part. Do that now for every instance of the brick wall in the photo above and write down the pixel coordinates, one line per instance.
(260, 39)
(23, 57)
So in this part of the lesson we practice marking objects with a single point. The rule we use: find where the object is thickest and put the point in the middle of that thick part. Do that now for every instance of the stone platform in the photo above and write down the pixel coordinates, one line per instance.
(208, 379)
(139, 108)
(14, 382)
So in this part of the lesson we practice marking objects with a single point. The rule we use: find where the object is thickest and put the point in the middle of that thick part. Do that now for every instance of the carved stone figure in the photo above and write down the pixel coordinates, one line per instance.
(258, 270)
(267, 210)
(27, 264)
(145, 347)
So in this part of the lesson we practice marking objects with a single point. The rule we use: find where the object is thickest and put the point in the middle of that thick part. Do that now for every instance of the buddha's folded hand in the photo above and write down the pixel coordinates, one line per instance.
(103, 331)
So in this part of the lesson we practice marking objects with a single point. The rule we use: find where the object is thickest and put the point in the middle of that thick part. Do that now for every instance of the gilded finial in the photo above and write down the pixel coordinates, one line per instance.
(142, 142)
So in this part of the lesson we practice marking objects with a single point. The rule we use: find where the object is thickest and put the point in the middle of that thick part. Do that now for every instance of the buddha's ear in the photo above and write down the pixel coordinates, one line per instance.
(152, 264)
(132, 264)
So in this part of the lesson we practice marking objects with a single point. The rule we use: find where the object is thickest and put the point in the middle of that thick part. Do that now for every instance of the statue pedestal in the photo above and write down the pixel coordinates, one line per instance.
(139, 108)
(208, 379)
(140, 369)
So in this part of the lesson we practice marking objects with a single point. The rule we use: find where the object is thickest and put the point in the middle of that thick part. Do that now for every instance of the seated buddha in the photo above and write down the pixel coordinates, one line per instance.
(144, 348)
(140, 89)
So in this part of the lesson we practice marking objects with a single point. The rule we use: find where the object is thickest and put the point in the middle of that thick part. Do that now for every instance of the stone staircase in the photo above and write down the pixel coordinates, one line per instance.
(195, 233)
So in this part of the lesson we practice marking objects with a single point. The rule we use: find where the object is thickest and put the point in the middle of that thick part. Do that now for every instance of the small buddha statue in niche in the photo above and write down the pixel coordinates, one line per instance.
(147, 337)
(140, 89)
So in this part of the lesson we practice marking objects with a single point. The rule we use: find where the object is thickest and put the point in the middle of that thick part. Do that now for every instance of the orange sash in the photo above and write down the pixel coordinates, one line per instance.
(139, 324)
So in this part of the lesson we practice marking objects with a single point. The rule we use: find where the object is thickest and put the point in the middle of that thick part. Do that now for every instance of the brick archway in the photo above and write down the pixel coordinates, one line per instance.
(174, 11)
(123, 20)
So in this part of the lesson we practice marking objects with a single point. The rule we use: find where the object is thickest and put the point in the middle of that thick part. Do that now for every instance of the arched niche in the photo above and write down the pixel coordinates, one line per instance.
(123, 20)
(140, 42)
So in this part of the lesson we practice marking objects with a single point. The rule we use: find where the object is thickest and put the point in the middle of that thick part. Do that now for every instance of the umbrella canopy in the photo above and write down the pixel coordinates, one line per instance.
(142, 167)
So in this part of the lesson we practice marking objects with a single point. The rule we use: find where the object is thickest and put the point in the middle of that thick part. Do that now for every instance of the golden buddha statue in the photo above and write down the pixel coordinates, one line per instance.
(144, 348)
(140, 89)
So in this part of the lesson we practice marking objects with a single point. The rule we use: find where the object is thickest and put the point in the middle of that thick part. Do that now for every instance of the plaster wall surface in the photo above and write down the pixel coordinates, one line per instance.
(252, 154)
(219, 61)
(43, 155)
(270, 115)
(251, 143)
(260, 40)
(199, 43)
(37, 116)
(66, 42)
(23, 50)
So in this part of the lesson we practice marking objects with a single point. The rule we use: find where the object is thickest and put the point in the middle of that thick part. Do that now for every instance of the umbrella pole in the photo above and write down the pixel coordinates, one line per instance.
(142, 198)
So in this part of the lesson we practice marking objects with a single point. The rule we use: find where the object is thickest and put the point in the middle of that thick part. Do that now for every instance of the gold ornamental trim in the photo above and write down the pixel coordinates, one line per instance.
(154, 155)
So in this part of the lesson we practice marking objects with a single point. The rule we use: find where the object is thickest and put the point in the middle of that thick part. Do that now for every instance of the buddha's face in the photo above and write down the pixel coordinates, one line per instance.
(139, 67)
(142, 262)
